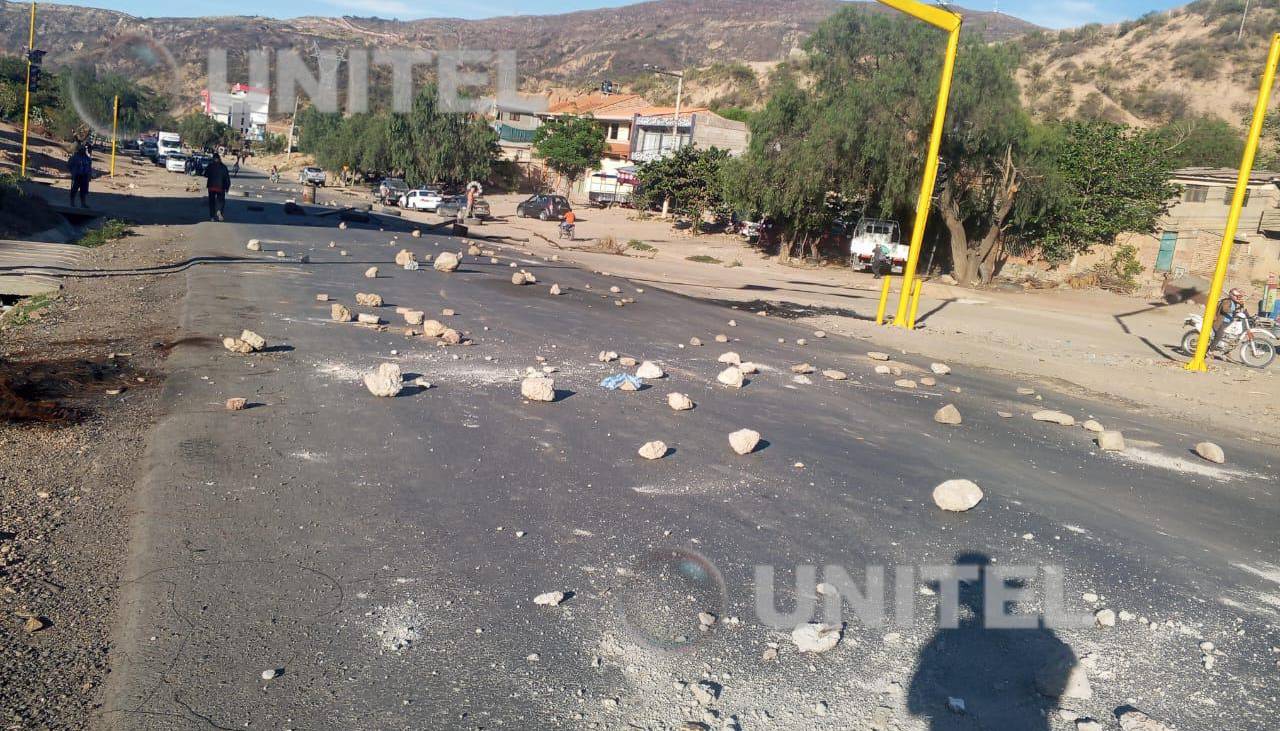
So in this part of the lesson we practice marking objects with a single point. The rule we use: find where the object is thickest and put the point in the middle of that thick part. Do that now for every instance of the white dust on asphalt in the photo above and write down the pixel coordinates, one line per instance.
(1182, 464)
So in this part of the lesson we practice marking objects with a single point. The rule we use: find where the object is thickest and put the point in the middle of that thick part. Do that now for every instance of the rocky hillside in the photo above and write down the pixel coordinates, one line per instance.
(1156, 69)
(580, 48)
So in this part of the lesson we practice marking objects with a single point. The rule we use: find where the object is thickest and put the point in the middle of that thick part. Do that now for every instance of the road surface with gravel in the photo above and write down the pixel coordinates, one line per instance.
(330, 559)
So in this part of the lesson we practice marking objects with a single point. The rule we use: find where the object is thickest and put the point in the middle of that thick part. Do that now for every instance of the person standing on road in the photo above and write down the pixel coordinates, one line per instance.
(219, 182)
(1228, 309)
(880, 260)
(81, 168)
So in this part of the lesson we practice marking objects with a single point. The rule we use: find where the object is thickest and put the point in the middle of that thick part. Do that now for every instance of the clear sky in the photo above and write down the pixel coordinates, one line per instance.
(1051, 13)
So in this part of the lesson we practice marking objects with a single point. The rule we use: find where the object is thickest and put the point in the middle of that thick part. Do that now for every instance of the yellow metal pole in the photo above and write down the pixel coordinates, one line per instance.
(26, 105)
(1237, 204)
(915, 303)
(950, 22)
(884, 299)
(115, 119)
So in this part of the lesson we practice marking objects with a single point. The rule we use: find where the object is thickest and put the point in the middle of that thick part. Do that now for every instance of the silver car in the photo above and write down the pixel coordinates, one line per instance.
(312, 176)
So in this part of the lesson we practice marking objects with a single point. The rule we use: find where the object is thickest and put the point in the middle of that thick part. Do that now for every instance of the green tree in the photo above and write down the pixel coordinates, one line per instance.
(1100, 180)
(1206, 141)
(690, 179)
(570, 146)
(426, 145)
(202, 132)
(854, 141)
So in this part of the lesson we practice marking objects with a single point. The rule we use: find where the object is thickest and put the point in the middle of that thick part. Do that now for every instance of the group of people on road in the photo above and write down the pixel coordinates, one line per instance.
(217, 177)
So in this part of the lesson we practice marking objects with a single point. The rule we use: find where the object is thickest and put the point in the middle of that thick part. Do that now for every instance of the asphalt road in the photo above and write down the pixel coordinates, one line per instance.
(383, 554)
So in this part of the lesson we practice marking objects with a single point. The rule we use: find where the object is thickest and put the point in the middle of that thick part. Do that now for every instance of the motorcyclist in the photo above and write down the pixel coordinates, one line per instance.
(1231, 307)
(567, 225)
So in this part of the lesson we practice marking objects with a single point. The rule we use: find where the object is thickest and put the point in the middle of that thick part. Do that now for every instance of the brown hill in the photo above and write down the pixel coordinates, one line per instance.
(580, 48)
(1159, 68)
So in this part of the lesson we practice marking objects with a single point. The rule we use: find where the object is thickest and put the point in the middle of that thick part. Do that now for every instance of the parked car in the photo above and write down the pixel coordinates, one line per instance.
(449, 207)
(150, 150)
(390, 190)
(175, 162)
(544, 207)
(312, 176)
(421, 199)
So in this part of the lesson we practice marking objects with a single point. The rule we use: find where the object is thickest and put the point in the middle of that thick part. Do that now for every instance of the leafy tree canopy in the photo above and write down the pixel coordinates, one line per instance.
(570, 145)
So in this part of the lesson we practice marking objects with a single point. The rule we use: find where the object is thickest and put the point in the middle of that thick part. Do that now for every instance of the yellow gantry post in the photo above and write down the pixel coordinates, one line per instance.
(949, 22)
(26, 105)
(115, 119)
(915, 303)
(884, 299)
(1237, 204)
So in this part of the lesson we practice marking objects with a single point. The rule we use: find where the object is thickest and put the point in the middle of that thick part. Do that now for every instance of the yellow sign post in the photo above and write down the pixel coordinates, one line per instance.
(915, 303)
(115, 119)
(949, 22)
(884, 299)
(1237, 204)
(26, 105)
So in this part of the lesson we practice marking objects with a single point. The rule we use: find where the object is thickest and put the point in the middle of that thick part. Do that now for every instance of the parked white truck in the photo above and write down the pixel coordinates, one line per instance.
(166, 143)
(871, 233)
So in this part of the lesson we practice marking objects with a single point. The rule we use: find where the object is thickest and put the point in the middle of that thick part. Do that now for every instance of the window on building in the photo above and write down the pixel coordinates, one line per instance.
(515, 117)
(1196, 194)
(1230, 192)
(615, 130)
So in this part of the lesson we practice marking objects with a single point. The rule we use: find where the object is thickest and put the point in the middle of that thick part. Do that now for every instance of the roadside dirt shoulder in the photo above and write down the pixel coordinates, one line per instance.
(80, 377)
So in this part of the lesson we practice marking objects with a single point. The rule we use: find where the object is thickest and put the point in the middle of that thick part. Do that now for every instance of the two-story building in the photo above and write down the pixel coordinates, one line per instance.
(657, 132)
(243, 108)
(1190, 233)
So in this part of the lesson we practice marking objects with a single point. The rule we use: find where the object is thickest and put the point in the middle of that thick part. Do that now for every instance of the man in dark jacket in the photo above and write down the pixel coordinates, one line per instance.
(81, 168)
(218, 185)
(1228, 309)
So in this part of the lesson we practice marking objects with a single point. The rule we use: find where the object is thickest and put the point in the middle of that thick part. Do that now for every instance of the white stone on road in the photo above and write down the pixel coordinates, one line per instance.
(538, 389)
(653, 450)
(385, 382)
(1211, 452)
(1054, 417)
(731, 377)
(948, 414)
(744, 441)
(957, 496)
(679, 402)
(816, 637)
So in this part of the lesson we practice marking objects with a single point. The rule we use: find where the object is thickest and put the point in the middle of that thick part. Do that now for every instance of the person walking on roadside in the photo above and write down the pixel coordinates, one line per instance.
(81, 168)
(219, 182)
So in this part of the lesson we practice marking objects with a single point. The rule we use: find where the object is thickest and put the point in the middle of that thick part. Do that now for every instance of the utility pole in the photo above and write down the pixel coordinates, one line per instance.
(26, 106)
(292, 120)
(675, 124)
(115, 120)
(1243, 16)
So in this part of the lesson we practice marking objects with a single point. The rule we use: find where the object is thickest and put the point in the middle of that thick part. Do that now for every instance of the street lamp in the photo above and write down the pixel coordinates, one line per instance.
(675, 125)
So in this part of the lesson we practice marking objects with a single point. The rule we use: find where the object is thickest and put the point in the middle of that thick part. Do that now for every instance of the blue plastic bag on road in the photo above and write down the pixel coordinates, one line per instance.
(613, 383)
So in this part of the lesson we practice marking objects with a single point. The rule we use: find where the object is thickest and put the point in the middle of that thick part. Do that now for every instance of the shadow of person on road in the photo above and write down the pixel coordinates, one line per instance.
(973, 676)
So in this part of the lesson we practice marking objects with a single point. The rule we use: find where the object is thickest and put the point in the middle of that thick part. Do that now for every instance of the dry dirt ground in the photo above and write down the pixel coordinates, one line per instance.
(67, 472)
(1093, 342)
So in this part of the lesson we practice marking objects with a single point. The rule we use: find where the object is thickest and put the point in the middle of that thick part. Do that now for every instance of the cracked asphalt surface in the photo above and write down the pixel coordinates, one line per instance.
(382, 554)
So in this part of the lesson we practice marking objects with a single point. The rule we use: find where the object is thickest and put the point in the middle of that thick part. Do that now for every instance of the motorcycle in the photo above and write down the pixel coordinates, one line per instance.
(567, 231)
(1257, 346)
